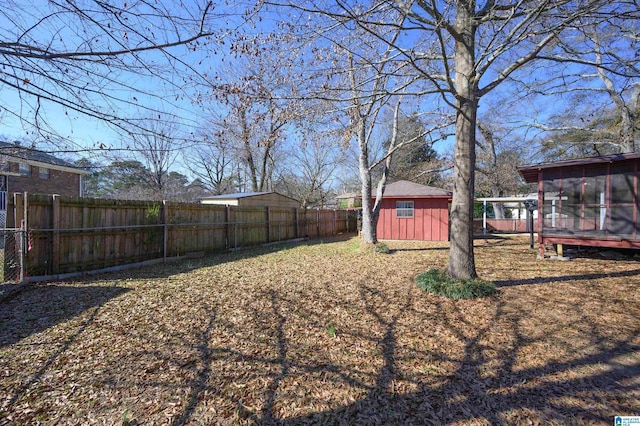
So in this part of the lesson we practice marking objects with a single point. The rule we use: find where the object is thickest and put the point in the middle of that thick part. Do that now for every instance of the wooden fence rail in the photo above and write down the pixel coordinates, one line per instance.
(70, 234)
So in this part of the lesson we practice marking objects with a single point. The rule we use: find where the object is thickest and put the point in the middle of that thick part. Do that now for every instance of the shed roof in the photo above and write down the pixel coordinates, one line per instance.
(234, 195)
(238, 195)
(530, 172)
(405, 188)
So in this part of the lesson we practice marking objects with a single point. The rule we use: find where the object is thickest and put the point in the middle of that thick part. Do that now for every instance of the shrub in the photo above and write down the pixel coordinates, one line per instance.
(381, 248)
(438, 282)
(377, 248)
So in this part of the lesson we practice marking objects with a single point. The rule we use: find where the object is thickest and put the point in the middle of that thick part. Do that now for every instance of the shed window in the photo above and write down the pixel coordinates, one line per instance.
(24, 169)
(404, 208)
(43, 172)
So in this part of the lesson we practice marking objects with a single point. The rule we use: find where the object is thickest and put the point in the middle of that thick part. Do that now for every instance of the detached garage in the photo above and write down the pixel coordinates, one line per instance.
(411, 211)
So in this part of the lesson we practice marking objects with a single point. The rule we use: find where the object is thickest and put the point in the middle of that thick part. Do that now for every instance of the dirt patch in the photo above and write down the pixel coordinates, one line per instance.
(324, 333)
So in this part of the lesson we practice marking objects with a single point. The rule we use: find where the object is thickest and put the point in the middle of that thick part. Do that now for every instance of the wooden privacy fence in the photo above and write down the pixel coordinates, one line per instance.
(71, 234)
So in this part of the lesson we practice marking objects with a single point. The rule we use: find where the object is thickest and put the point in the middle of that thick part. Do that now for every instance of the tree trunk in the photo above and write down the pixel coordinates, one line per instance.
(461, 256)
(498, 210)
(246, 143)
(369, 221)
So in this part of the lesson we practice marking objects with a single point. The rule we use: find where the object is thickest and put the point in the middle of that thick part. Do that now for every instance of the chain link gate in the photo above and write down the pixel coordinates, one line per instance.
(12, 249)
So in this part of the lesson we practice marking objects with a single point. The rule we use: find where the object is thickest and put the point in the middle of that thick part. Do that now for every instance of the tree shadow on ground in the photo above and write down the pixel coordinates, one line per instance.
(26, 314)
(201, 382)
(39, 307)
(470, 394)
(545, 280)
(486, 383)
(424, 249)
(476, 391)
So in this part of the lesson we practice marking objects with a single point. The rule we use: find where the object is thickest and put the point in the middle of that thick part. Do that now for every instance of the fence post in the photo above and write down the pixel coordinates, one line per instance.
(86, 223)
(318, 222)
(227, 221)
(20, 220)
(335, 221)
(18, 209)
(297, 222)
(55, 243)
(268, 216)
(484, 217)
(165, 229)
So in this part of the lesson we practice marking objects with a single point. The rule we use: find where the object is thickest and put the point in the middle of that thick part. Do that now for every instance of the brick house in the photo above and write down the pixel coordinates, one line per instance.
(24, 169)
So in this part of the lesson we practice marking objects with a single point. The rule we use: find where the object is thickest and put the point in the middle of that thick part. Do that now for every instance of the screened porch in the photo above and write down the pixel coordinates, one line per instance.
(592, 201)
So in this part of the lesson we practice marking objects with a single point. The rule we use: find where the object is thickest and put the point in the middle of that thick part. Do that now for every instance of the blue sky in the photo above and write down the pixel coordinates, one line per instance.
(134, 92)
(87, 132)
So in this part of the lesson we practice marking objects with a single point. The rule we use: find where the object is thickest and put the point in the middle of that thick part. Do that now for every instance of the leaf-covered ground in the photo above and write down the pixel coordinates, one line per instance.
(324, 333)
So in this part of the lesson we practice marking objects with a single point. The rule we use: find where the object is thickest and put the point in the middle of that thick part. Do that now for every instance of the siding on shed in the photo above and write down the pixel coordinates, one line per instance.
(430, 221)
(270, 199)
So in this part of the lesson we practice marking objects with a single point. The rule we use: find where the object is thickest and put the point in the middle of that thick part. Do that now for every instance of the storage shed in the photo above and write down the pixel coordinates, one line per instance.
(252, 199)
(411, 211)
(588, 202)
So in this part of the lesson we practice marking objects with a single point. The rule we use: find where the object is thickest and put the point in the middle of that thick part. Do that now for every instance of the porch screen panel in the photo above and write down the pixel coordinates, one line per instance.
(637, 201)
(551, 201)
(571, 197)
(595, 209)
(621, 221)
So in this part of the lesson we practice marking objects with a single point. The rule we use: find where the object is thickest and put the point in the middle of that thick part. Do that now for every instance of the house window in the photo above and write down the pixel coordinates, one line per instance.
(43, 172)
(24, 169)
(404, 208)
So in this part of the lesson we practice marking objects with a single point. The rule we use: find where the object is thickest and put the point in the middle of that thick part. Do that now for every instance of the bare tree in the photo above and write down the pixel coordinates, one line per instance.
(366, 103)
(95, 59)
(497, 163)
(366, 81)
(465, 50)
(211, 160)
(259, 106)
(598, 81)
(310, 167)
(584, 128)
(157, 150)
(603, 51)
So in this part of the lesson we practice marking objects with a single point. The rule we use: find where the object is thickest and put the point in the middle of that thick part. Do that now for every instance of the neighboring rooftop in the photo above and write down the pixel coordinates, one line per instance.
(16, 150)
(244, 195)
(234, 195)
(240, 195)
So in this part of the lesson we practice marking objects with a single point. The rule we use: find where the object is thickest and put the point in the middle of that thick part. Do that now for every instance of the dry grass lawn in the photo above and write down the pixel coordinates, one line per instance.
(322, 333)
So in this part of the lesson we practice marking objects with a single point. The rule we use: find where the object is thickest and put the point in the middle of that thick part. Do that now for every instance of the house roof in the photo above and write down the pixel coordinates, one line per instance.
(239, 195)
(530, 172)
(37, 157)
(404, 188)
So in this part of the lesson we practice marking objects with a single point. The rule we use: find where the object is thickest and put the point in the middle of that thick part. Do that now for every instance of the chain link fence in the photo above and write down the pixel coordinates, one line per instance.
(12, 245)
